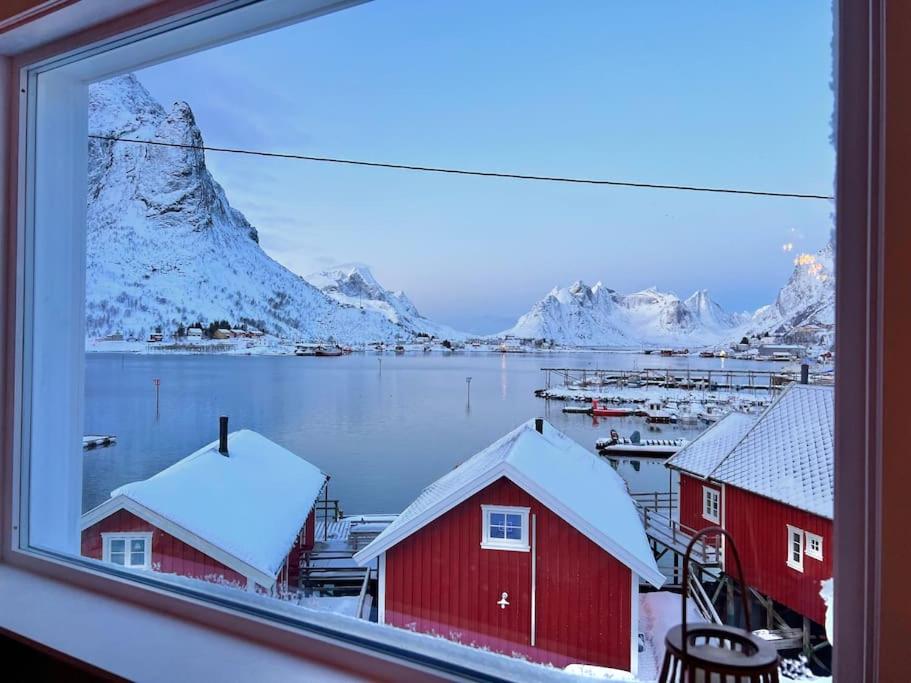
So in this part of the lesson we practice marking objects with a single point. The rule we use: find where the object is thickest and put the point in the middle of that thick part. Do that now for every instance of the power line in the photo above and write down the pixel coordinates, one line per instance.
(458, 171)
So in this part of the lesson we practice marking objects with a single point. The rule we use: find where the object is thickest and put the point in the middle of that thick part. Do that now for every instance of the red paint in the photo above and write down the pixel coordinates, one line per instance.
(169, 555)
(760, 529)
(691, 502)
(439, 580)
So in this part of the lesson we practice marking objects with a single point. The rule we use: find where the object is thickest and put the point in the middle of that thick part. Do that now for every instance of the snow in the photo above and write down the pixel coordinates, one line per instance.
(706, 452)
(827, 592)
(251, 504)
(574, 483)
(165, 247)
(808, 298)
(353, 284)
(598, 316)
(786, 454)
(658, 613)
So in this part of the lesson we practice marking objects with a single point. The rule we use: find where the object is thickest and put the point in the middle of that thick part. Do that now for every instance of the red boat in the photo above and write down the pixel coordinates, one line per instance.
(598, 411)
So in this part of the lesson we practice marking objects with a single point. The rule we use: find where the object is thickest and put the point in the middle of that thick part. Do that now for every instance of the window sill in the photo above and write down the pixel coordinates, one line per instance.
(514, 548)
(129, 640)
(713, 520)
(796, 567)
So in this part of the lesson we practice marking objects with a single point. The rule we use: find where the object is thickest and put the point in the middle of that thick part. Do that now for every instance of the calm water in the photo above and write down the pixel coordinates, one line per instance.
(382, 426)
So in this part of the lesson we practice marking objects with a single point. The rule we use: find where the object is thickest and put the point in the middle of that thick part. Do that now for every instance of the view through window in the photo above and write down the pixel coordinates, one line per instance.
(463, 319)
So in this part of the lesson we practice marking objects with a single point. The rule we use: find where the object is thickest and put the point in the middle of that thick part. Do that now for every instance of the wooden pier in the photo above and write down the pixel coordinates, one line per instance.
(329, 568)
(708, 583)
(677, 378)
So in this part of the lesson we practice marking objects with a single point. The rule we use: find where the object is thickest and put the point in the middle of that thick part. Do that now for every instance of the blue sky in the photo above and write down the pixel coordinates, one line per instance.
(708, 93)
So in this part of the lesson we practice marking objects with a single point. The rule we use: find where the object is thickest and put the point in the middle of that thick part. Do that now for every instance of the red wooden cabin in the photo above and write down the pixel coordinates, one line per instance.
(532, 547)
(240, 517)
(769, 481)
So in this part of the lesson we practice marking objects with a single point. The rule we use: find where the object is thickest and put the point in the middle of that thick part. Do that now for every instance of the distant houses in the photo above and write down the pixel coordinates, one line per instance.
(768, 480)
(239, 511)
(531, 547)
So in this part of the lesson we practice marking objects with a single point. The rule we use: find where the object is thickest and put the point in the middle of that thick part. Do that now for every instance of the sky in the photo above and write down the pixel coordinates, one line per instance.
(711, 93)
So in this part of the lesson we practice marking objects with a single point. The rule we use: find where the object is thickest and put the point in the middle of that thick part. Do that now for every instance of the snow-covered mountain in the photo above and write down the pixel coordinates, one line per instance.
(165, 246)
(597, 316)
(352, 284)
(804, 310)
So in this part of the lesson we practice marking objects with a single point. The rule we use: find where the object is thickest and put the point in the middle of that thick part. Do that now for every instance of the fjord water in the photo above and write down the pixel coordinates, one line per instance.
(382, 426)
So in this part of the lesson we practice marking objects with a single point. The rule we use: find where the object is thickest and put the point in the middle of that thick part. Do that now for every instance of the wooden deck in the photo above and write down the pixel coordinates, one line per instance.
(329, 568)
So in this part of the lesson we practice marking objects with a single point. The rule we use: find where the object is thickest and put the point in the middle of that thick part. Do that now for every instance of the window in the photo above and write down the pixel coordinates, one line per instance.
(133, 550)
(115, 320)
(795, 548)
(504, 528)
(711, 504)
(814, 546)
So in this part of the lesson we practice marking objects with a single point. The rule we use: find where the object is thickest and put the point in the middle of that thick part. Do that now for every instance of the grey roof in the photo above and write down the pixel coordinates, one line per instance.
(787, 454)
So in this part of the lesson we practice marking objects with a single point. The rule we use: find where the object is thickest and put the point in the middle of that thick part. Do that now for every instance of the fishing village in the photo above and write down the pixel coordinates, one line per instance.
(483, 553)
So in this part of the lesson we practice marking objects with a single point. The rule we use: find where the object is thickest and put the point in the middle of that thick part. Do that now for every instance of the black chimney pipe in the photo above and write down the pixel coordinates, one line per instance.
(223, 435)
(539, 425)
(804, 374)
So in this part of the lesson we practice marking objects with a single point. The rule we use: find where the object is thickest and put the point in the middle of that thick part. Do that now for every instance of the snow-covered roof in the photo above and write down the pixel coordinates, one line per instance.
(575, 484)
(248, 506)
(786, 454)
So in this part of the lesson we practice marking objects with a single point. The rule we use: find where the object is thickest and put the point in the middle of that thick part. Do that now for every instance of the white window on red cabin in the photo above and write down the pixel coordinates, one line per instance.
(504, 528)
(814, 546)
(133, 550)
(795, 548)
(711, 504)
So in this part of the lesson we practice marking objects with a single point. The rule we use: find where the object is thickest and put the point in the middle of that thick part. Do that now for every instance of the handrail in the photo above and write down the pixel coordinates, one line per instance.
(363, 595)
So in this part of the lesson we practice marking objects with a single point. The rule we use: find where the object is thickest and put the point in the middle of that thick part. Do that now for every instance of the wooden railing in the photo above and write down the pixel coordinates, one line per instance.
(656, 500)
(671, 533)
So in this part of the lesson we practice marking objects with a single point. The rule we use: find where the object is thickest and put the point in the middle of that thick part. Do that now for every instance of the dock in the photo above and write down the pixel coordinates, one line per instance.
(97, 441)
(708, 582)
(691, 379)
(329, 569)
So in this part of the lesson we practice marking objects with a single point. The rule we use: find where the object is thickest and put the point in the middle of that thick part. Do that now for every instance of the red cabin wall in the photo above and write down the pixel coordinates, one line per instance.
(691, 502)
(169, 555)
(439, 580)
(760, 529)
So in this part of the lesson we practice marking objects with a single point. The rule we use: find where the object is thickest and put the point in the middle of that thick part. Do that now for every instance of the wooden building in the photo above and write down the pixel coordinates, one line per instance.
(239, 511)
(769, 481)
(531, 547)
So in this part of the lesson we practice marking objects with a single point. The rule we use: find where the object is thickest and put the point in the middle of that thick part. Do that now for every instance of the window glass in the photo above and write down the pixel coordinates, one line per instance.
(333, 262)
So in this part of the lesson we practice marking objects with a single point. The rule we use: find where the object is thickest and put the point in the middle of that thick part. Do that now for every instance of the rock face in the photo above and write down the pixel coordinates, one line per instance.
(165, 247)
(598, 316)
(352, 284)
(804, 310)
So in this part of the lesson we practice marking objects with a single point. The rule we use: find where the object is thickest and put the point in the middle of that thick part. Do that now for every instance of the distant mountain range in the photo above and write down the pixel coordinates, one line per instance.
(580, 315)
(352, 284)
(166, 248)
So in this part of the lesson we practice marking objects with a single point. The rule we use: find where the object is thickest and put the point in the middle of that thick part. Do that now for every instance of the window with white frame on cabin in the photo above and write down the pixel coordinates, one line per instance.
(128, 550)
(711, 504)
(795, 548)
(504, 528)
(814, 546)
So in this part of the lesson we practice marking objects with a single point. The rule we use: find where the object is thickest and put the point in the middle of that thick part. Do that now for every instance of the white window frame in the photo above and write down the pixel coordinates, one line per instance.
(711, 495)
(127, 537)
(798, 534)
(812, 538)
(488, 543)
